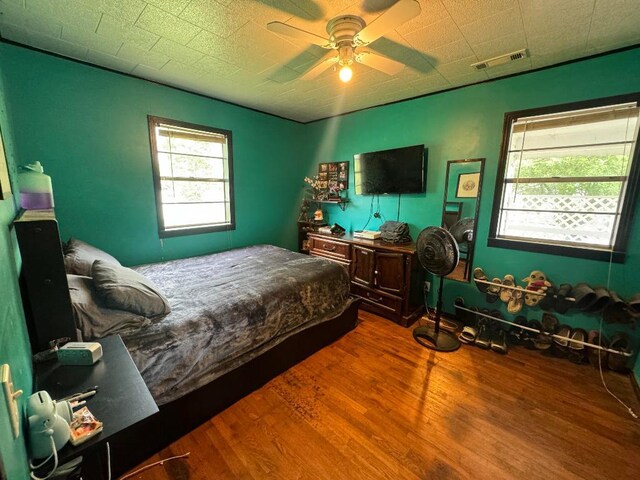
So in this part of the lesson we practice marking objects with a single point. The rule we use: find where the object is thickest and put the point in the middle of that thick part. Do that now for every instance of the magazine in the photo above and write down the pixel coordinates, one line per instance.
(84, 426)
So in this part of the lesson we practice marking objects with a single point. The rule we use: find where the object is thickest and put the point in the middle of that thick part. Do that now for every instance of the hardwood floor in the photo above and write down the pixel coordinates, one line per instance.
(377, 405)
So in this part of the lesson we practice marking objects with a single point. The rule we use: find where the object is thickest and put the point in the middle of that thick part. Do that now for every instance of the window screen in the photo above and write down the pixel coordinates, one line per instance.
(565, 177)
(192, 168)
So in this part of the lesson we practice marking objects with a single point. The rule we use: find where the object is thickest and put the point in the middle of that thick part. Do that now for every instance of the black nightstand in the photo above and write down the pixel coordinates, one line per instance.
(123, 399)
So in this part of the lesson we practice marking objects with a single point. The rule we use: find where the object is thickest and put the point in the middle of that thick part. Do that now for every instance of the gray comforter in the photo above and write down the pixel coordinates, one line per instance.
(228, 308)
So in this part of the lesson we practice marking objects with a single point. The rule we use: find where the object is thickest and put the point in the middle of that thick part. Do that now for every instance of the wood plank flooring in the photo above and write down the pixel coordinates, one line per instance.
(376, 405)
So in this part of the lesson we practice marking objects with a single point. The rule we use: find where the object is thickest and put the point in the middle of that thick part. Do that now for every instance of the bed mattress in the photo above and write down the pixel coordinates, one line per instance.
(228, 308)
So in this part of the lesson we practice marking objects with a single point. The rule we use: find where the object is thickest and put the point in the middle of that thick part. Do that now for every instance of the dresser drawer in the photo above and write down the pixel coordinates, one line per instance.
(346, 264)
(329, 247)
(387, 302)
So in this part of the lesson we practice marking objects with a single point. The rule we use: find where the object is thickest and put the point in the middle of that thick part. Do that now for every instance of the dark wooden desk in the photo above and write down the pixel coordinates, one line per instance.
(123, 398)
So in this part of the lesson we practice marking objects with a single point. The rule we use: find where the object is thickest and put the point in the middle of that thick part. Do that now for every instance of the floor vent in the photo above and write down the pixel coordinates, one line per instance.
(502, 59)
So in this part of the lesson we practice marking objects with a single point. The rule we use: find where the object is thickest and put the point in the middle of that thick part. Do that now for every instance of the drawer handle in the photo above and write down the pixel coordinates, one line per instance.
(330, 249)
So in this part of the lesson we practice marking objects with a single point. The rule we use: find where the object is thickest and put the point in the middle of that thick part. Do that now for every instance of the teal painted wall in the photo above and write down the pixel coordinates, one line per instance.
(88, 127)
(14, 344)
(467, 123)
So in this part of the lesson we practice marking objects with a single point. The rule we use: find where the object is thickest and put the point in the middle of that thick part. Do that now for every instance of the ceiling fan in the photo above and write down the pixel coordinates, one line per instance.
(348, 34)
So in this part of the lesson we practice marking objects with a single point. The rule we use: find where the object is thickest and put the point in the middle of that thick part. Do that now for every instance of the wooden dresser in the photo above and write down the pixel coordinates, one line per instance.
(387, 277)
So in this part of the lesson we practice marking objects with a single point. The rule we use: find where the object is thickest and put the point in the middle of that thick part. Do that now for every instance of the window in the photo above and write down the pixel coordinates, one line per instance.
(193, 177)
(567, 178)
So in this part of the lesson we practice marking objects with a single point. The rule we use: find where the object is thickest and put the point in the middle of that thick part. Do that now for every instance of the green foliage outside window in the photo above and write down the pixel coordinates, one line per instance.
(573, 166)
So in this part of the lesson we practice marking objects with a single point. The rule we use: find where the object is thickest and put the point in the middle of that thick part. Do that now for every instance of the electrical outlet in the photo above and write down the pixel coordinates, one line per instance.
(427, 286)
(11, 396)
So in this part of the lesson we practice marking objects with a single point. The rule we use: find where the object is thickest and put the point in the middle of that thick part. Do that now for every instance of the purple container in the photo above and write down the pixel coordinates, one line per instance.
(36, 201)
(36, 192)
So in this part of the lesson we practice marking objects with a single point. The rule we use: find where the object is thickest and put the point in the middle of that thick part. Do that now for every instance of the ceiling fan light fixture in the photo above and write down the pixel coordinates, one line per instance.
(348, 32)
(345, 73)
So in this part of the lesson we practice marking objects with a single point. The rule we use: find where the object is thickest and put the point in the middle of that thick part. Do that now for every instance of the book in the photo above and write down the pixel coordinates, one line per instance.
(83, 426)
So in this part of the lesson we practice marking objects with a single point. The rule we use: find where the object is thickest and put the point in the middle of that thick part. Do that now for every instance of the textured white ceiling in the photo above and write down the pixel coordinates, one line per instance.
(222, 48)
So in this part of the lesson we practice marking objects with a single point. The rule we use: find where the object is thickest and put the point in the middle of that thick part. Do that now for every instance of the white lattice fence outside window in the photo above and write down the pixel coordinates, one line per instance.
(563, 224)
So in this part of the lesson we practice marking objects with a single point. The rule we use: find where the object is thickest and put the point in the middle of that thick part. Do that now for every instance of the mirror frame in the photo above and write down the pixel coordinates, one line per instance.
(471, 253)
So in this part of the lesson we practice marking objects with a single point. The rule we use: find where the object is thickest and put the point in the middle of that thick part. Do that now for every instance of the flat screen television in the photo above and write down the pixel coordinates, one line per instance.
(398, 170)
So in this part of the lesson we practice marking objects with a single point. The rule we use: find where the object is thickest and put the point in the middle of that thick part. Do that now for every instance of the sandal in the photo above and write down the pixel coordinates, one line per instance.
(505, 293)
(577, 351)
(483, 340)
(602, 300)
(584, 296)
(595, 355)
(531, 298)
(541, 341)
(478, 274)
(516, 302)
(564, 292)
(537, 283)
(516, 335)
(617, 311)
(634, 305)
(493, 292)
(561, 345)
(616, 361)
(468, 334)
(499, 341)
(548, 302)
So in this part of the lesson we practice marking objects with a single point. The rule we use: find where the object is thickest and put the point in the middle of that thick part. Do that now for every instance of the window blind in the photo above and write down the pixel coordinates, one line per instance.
(566, 175)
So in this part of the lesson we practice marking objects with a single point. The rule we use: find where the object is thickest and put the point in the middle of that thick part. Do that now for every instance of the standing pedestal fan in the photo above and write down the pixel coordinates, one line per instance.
(438, 253)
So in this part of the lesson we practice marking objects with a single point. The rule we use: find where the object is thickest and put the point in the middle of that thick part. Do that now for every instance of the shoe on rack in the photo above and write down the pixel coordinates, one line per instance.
(499, 341)
(483, 340)
(505, 293)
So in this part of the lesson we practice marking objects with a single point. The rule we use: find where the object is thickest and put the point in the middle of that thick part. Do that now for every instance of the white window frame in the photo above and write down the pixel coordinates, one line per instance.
(164, 231)
(626, 204)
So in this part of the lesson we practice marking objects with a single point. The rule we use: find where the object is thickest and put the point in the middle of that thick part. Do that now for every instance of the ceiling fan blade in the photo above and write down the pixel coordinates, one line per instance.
(384, 64)
(400, 12)
(331, 58)
(288, 30)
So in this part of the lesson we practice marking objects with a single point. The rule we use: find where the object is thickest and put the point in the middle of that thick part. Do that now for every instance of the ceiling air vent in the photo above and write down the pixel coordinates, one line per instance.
(506, 58)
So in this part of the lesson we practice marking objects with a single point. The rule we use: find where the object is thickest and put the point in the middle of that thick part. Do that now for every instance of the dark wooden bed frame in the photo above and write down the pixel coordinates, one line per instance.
(45, 288)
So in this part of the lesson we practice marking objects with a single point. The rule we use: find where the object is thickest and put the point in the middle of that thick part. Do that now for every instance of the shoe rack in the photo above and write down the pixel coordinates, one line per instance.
(459, 305)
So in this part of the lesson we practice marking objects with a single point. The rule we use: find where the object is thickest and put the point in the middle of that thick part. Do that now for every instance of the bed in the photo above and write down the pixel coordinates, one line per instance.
(238, 319)
(227, 309)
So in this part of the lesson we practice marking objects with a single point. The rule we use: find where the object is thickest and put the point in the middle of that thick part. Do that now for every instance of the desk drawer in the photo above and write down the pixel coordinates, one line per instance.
(329, 247)
(387, 302)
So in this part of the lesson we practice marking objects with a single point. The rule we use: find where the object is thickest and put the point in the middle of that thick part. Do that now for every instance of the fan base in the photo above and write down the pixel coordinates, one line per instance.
(443, 341)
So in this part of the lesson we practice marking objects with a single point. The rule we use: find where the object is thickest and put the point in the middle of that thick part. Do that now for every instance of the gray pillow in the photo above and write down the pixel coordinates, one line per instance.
(79, 257)
(123, 288)
(93, 318)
